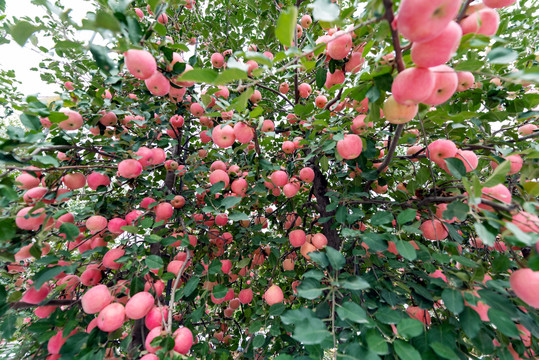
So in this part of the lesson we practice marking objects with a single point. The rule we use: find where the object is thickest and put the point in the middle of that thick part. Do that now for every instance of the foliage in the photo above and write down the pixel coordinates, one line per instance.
(355, 298)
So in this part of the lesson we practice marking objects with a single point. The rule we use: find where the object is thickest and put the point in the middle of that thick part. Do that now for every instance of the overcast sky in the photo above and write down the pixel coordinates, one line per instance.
(22, 59)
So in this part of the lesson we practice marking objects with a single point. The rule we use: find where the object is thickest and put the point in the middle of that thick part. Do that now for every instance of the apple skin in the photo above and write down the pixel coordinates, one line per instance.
(498, 192)
(273, 295)
(245, 296)
(306, 174)
(158, 84)
(297, 238)
(339, 46)
(304, 90)
(96, 299)
(525, 284)
(497, 4)
(445, 85)
(350, 147)
(441, 149)
(516, 164)
(306, 21)
(140, 63)
(484, 22)
(139, 305)
(433, 230)
(217, 60)
(465, 80)
(73, 181)
(223, 136)
(396, 113)
(423, 20)
(469, 158)
(439, 50)
(413, 85)
(73, 122)
(111, 318)
(183, 340)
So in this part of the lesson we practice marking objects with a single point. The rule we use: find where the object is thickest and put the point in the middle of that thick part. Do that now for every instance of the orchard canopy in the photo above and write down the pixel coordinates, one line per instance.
(272, 179)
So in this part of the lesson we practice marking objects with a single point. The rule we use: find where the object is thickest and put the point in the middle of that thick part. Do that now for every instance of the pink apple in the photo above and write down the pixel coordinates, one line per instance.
(525, 284)
(256, 97)
(469, 159)
(111, 318)
(496, 4)
(438, 50)
(223, 136)
(350, 147)
(465, 80)
(239, 186)
(140, 63)
(243, 132)
(158, 84)
(412, 86)
(441, 149)
(279, 178)
(306, 174)
(29, 181)
(96, 299)
(34, 296)
(320, 101)
(183, 340)
(109, 260)
(516, 163)
(423, 20)
(334, 78)
(445, 85)
(484, 22)
(339, 46)
(115, 225)
(433, 230)
(273, 295)
(283, 88)
(95, 180)
(139, 305)
(129, 168)
(304, 90)
(355, 63)
(219, 175)
(73, 122)
(306, 21)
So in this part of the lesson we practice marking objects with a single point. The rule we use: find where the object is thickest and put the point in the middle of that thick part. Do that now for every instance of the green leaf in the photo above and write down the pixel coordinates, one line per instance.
(453, 300)
(456, 209)
(154, 262)
(22, 30)
(229, 76)
(487, 237)
(198, 75)
(470, 321)
(277, 309)
(503, 322)
(406, 351)
(310, 331)
(325, 10)
(101, 57)
(230, 201)
(501, 55)
(320, 258)
(31, 122)
(48, 273)
(376, 342)
(107, 21)
(237, 216)
(310, 289)
(443, 351)
(130, 229)
(498, 176)
(336, 259)
(406, 216)
(258, 341)
(240, 103)
(406, 250)
(355, 283)
(190, 286)
(321, 75)
(381, 218)
(353, 312)
(286, 25)
(71, 231)
(410, 328)
(219, 291)
(456, 167)
(341, 214)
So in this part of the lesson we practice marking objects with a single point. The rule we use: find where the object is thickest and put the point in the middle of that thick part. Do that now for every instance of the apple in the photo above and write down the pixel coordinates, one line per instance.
(469, 159)
(268, 126)
(239, 186)
(306, 249)
(273, 295)
(139, 305)
(288, 147)
(516, 163)
(396, 113)
(140, 63)
(154, 318)
(412, 86)
(445, 85)
(279, 178)
(304, 90)
(162, 19)
(217, 60)
(350, 147)
(306, 21)
(109, 259)
(527, 129)
(525, 284)
(108, 118)
(288, 265)
(183, 340)
(223, 136)
(95, 180)
(158, 84)
(74, 181)
(319, 240)
(129, 168)
(111, 318)
(178, 202)
(115, 225)
(419, 314)
(96, 299)
(496, 4)
(73, 122)
(355, 62)
(339, 46)
(484, 22)
(91, 276)
(433, 230)
(306, 174)
(321, 101)
(30, 181)
(297, 238)
(526, 222)
(284, 87)
(423, 20)
(34, 296)
(154, 332)
(219, 175)
(245, 296)
(334, 78)
(163, 211)
(438, 50)
(441, 149)
(498, 192)
(465, 80)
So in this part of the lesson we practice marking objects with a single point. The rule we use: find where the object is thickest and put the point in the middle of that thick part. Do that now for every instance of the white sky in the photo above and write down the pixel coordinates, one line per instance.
(22, 59)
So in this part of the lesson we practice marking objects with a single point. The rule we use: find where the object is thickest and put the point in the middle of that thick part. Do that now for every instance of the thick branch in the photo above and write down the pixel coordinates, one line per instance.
(320, 186)
(390, 17)
(24, 305)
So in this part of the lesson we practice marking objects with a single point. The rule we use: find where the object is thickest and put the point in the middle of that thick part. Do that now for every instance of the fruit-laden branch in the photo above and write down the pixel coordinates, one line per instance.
(275, 92)
(25, 305)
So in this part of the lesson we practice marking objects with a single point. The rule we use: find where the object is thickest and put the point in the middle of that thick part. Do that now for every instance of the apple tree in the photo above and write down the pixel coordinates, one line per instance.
(273, 180)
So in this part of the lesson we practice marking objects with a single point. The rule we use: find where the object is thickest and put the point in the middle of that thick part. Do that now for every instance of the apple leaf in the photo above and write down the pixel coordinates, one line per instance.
(499, 174)
(22, 30)
(286, 25)
(456, 167)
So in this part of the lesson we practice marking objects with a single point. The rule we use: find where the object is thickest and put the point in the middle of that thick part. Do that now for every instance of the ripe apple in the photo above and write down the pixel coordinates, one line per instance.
(140, 63)
(304, 90)
(96, 299)
(412, 86)
(433, 230)
(350, 147)
(73, 181)
(284, 87)
(273, 295)
(445, 85)
(306, 21)
(423, 20)
(183, 340)
(438, 50)
(73, 122)
(158, 84)
(223, 136)
(525, 284)
(465, 80)
(484, 22)
(111, 318)
(396, 113)
(441, 149)
(339, 46)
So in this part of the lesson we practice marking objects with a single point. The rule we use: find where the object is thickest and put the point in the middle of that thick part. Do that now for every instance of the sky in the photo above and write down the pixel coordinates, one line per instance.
(22, 59)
